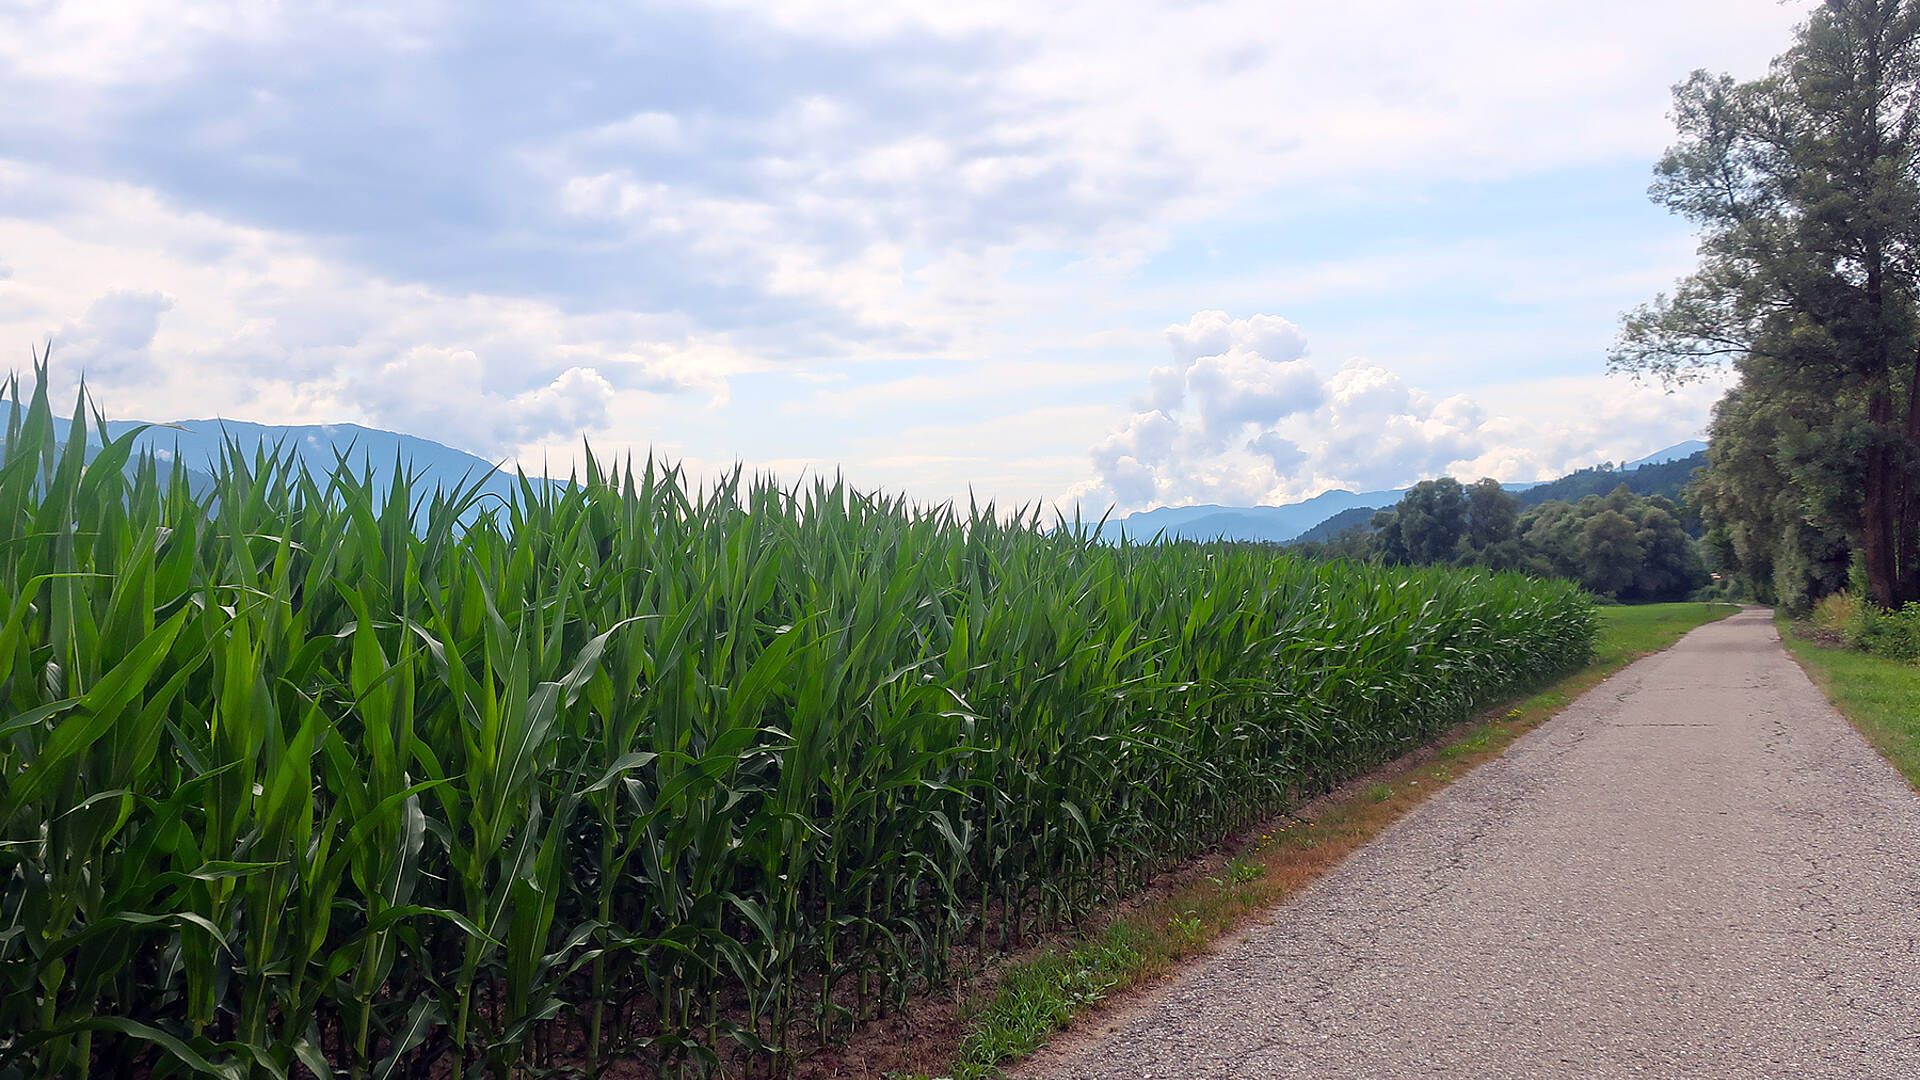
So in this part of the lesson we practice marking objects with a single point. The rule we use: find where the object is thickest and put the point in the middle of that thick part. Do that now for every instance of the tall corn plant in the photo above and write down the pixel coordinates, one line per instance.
(308, 773)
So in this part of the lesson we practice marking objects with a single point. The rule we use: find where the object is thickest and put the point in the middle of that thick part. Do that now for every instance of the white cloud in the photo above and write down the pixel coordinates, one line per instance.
(341, 204)
(261, 325)
(443, 390)
(649, 129)
(1211, 333)
(1214, 428)
(113, 339)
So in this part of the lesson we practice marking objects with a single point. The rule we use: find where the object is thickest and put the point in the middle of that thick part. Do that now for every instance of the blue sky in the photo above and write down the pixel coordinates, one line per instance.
(1116, 253)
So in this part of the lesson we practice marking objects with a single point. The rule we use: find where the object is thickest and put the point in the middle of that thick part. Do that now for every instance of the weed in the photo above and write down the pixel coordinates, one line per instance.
(1036, 998)
(1239, 872)
(1187, 929)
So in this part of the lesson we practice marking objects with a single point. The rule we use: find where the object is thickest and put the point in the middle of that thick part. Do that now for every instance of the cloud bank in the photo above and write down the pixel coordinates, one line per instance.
(663, 223)
(1242, 416)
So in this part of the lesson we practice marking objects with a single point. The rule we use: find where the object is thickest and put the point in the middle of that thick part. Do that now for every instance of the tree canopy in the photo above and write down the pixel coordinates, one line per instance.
(1622, 545)
(1806, 187)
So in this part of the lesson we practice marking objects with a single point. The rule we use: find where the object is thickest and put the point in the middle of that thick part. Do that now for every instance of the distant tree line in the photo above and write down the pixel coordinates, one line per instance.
(1621, 545)
(1668, 478)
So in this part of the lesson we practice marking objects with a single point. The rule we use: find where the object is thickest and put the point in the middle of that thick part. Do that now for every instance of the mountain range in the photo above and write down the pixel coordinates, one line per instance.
(197, 444)
(1331, 511)
(1661, 457)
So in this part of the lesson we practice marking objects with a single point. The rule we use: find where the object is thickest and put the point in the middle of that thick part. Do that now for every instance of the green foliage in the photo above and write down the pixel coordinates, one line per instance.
(1893, 634)
(1806, 192)
(1491, 514)
(1427, 525)
(297, 771)
(1609, 552)
(1622, 547)
(1837, 615)
(1240, 872)
(1782, 492)
(1037, 997)
(1668, 478)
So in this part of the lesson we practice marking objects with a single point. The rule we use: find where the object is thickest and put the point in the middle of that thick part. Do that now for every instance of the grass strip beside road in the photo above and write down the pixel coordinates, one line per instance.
(1034, 998)
(1881, 697)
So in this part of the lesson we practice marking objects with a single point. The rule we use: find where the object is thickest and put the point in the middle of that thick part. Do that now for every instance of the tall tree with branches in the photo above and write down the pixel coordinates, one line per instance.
(1806, 187)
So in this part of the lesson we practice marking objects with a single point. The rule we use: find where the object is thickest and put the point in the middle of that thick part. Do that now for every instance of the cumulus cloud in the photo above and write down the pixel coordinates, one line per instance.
(1377, 431)
(1241, 418)
(114, 338)
(337, 198)
(1238, 374)
(434, 389)
(260, 325)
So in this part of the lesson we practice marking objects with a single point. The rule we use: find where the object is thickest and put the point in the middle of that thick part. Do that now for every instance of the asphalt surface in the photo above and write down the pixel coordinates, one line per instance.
(1697, 870)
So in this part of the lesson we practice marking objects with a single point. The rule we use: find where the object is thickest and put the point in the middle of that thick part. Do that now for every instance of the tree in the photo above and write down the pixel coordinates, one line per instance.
(1804, 184)
(1610, 552)
(1669, 562)
(1782, 497)
(1621, 545)
(1432, 517)
(1389, 544)
(1491, 513)
(1552, 531)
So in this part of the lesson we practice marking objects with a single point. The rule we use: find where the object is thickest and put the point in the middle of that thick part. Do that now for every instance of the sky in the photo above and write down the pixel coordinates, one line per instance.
(1109, 254)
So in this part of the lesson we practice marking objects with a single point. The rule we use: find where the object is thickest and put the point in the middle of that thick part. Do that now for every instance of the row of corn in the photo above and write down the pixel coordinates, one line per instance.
(313, 774)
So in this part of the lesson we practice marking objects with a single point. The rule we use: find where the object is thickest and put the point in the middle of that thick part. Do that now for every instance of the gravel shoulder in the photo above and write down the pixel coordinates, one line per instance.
(1698, 869)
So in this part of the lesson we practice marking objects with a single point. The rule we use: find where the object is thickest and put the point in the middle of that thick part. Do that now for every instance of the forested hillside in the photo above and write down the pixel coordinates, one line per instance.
(1668, 479)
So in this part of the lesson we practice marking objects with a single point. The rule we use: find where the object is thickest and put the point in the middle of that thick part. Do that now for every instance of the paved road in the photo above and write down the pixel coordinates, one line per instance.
(1698, 870)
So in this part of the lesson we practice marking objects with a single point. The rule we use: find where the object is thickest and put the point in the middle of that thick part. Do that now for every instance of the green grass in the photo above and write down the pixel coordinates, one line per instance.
(1627, 631)
(1038, 997)
(1880, 696)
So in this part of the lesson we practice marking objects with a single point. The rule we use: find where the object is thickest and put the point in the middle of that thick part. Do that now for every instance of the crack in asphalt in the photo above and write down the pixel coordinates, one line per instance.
(1696, 870)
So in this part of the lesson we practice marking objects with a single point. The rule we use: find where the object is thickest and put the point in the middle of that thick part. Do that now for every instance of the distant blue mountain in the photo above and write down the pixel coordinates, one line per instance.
(1273, 523)
(1289, 521)
(1672, 453)
(198, 445)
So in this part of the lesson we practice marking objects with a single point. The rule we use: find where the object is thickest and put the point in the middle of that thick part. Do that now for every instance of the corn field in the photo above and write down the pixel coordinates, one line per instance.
(301, 774)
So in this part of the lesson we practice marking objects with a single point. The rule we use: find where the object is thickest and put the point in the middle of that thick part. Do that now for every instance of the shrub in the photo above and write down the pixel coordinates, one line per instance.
(1837, 614)
(1892, 634)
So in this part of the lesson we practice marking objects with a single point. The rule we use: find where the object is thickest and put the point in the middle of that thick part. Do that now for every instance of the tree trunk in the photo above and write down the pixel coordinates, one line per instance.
(1907, 487)
(1879, 509)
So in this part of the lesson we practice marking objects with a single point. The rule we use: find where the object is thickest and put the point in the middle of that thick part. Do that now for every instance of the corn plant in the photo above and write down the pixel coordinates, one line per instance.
(310, 774)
